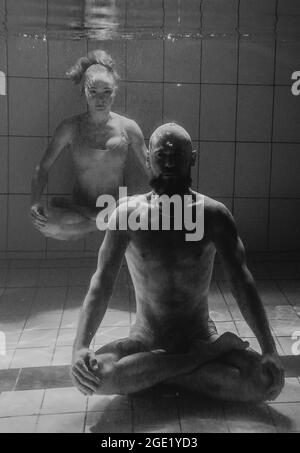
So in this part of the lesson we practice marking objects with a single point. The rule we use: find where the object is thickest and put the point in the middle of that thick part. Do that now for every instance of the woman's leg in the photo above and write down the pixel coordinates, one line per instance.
(65, 222)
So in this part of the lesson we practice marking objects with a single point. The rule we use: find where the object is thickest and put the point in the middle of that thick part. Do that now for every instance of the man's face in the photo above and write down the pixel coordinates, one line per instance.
(171, 157)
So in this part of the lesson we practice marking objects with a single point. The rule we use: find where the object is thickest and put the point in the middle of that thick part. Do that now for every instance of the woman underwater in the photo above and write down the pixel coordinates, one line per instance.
(99, 141)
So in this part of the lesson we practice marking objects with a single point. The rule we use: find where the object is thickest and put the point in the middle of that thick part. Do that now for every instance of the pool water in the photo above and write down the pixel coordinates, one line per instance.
(223, 69)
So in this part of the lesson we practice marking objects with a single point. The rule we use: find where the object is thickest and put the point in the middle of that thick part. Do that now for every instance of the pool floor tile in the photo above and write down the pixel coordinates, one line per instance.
(39, 307)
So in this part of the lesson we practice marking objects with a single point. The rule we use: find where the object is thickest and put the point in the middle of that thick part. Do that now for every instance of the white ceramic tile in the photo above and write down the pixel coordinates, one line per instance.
(49, 300)
(25, 153)
(182, 61)
(287, 108)
(108, 422)
(61, 423)
(219, 61)
(67, 400)
(21, 234)
(62, 356)
(216, 159)
(144, 102)
(3, 165)
(27, 113)
(181, 105)
(284, 224)
(218, 112)
(285, 171)
(63, 55)
(21, 403)
(27, 57)
(145, 60)
(252, 175)
(254, 122)
(45, 338)
(32, 357)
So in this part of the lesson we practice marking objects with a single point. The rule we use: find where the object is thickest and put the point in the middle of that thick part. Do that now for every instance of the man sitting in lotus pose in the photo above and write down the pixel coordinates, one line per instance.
(174, 340)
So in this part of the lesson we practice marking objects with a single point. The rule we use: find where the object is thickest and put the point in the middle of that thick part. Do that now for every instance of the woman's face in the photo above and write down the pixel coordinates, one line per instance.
(100, 93)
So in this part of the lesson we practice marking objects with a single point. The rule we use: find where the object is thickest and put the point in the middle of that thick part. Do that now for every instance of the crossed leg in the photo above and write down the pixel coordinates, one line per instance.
(237, 376)
(227, 371)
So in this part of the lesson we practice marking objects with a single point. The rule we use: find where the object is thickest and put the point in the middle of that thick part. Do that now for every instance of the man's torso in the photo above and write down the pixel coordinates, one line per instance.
(171, 277)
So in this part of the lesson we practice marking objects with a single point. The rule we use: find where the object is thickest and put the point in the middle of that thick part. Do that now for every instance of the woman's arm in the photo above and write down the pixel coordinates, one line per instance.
(137, 143)
(61, 138)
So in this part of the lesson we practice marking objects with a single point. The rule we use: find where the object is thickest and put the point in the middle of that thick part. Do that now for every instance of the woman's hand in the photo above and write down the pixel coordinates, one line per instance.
(38, 215)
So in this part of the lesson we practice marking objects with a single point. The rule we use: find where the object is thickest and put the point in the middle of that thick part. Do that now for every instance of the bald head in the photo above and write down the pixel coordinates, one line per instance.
(169, 135)
(170, 158)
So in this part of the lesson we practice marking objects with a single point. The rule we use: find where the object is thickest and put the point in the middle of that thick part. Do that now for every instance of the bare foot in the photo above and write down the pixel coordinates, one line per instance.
(53, 231)
(230, 342)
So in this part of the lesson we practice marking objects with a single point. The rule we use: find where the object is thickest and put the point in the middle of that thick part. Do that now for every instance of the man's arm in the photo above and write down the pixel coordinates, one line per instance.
(101, 287)
(233, 256)
(95, 305)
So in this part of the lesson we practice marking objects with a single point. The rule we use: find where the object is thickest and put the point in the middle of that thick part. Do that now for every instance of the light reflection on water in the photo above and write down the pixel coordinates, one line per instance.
(153, 19)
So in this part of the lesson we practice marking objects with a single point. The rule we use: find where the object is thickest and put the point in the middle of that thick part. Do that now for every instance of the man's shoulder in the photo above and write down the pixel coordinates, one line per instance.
(215, 208)
(133, 201)
(128, 205)
(218, 218)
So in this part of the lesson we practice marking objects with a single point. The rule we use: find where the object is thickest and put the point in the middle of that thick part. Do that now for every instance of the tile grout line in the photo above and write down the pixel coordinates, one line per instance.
(141, 81)
(39, 413)
(86, 40)
(48, 116)
(163, 65)
(263, 142)
(60, 324)
(224, 299)
(8, 132)
(268, 226)
(236, 107)
(284, 295)
(177, 405)
(200, 95)
(126, 61)
(25, 318)
(86, 415)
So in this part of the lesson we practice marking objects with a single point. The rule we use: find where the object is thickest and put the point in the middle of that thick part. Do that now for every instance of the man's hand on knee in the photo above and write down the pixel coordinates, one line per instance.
(275, 371)
(83, 369)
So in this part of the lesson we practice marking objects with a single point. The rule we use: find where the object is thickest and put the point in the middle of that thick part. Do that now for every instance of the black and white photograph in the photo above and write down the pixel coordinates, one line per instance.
(149, 219)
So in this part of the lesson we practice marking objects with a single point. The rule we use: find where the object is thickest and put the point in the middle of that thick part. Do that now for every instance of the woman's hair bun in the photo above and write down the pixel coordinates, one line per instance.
(95, 57)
